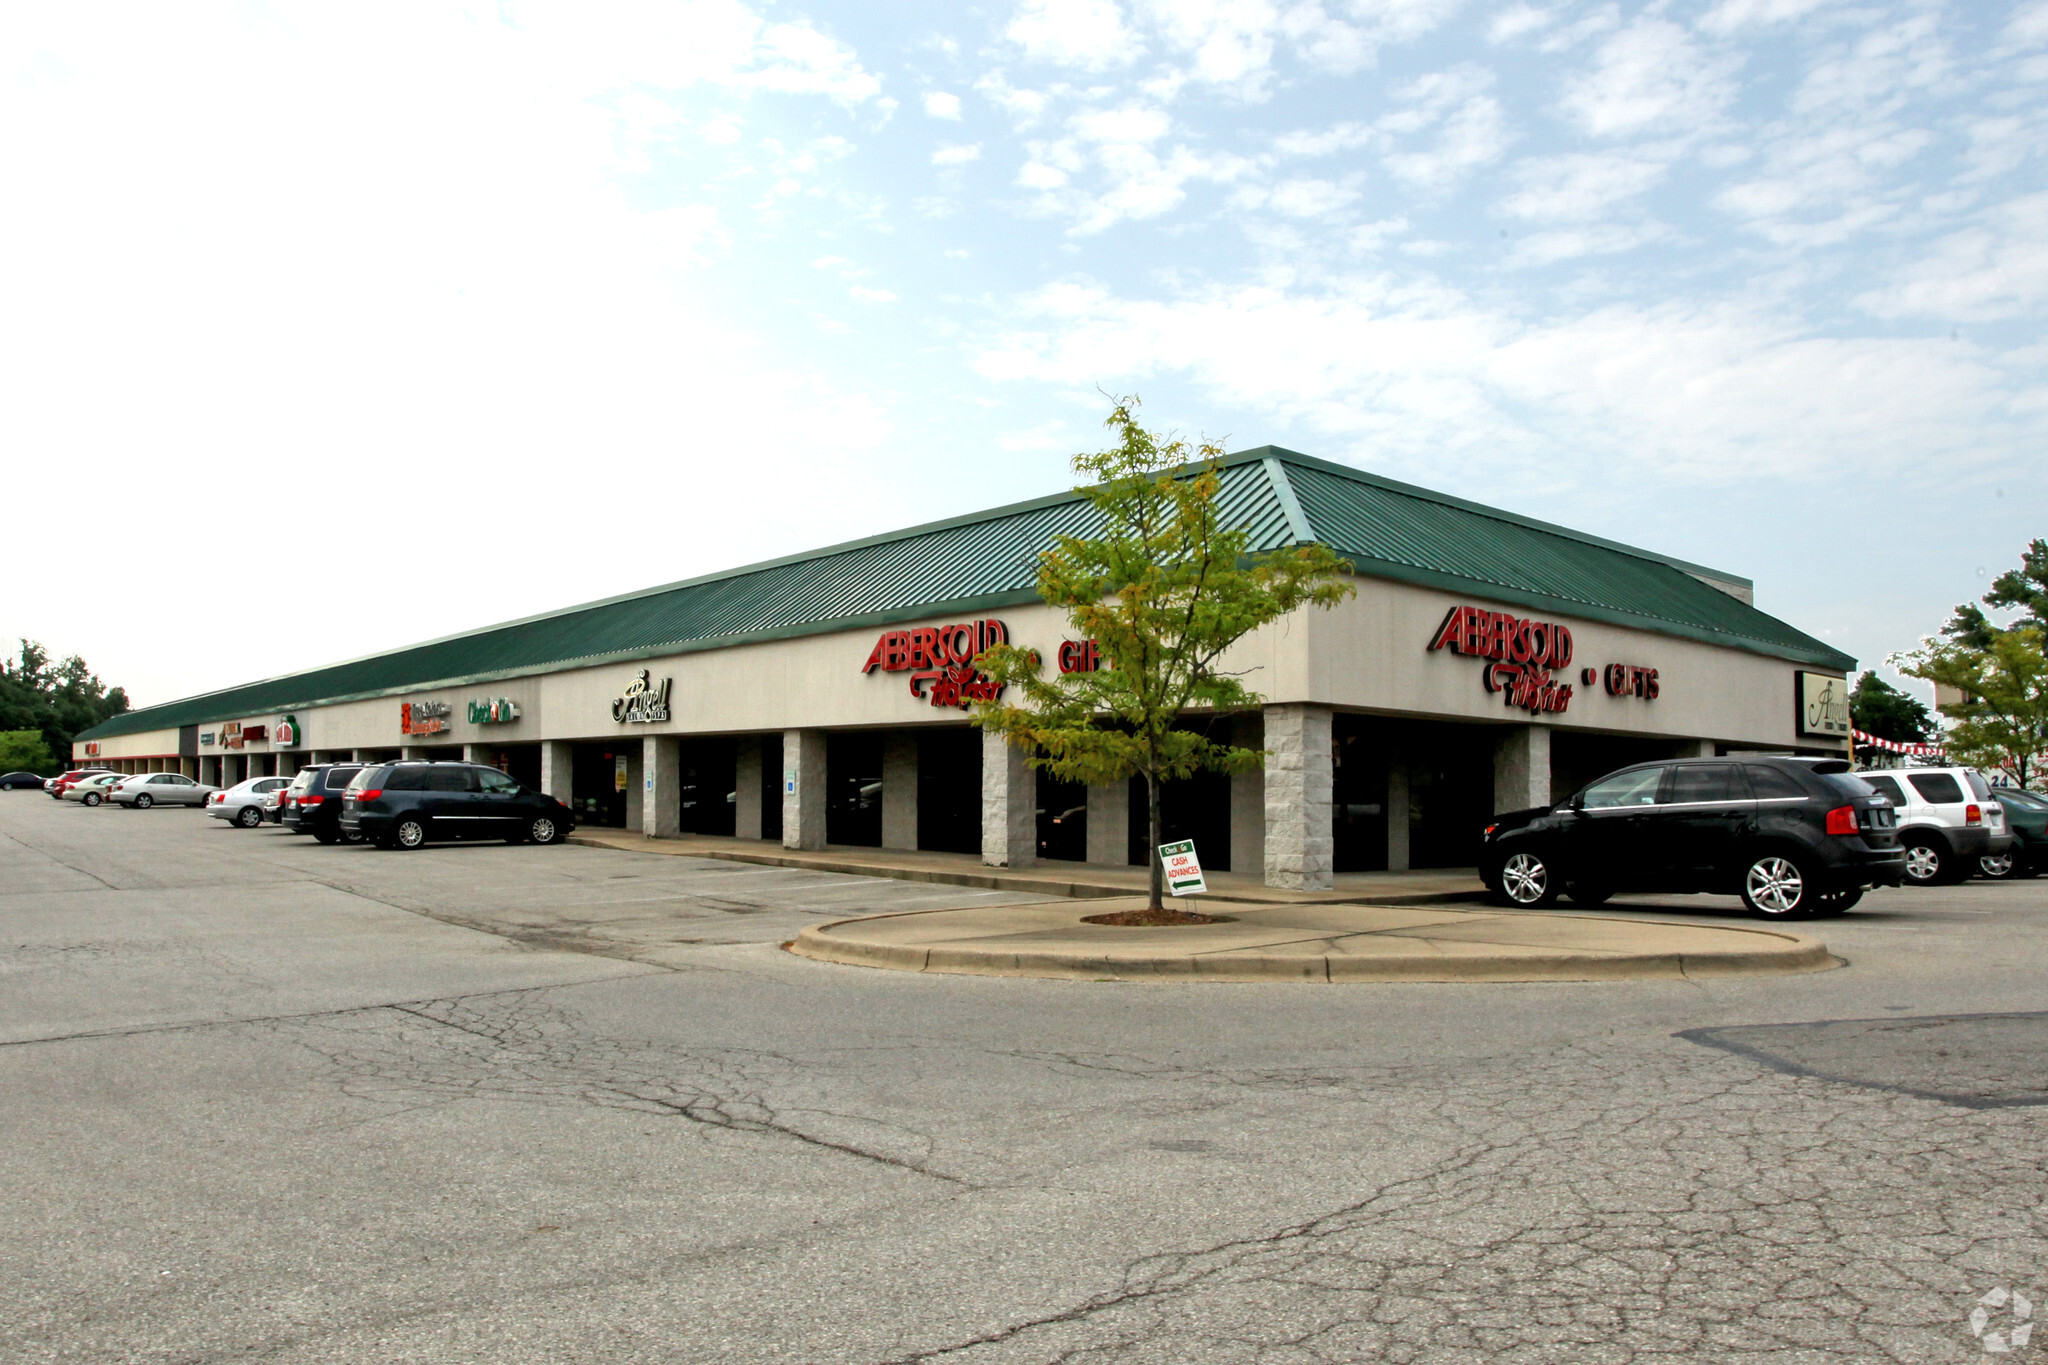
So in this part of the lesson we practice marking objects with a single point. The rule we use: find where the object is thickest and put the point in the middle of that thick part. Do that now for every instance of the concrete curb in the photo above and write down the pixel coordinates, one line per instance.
(1092, 956)
(1034, 882)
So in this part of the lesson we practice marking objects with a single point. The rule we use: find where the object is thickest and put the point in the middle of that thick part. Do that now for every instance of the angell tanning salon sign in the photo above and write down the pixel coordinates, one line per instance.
(1823, 705)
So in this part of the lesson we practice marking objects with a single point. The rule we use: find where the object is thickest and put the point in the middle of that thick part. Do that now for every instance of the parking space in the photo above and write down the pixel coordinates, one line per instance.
(274, 1100)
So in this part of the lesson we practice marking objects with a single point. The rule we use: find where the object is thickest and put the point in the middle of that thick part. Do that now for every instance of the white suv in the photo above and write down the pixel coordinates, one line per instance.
(1947, 820)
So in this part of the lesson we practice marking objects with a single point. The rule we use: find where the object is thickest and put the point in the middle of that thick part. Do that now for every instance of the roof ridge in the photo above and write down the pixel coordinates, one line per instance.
(1495, 513)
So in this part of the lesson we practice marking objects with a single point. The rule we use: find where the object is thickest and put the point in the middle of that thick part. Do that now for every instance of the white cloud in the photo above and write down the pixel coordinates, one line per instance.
(1995, 271)
(1428, 379)
(1086, 34)
(942, 104)
(1470, 128)
(957, 156)
(1565, 244)
(1577, 187)
(866, 295)
(1650, 75)
(1299, 198)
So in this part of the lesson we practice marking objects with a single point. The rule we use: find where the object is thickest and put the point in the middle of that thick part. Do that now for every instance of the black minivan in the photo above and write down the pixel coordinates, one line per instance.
(312, 804)
(404, 805)
(1793, 837)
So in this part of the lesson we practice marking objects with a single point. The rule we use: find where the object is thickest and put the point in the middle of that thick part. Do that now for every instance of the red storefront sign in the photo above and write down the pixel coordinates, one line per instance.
(1521, 652)
(1080, 656)
(940, 661)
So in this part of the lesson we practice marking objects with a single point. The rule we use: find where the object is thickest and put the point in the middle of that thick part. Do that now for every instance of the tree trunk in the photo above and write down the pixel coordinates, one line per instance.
(1152, 841)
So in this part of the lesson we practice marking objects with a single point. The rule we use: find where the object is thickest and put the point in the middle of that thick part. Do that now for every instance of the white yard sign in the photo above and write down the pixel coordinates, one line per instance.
(1183, 868)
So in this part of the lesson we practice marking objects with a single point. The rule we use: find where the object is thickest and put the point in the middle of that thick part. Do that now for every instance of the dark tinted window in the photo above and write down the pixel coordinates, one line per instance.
(1978, 785)
(406, 779)
(337, 778)
(1939, 788)
(450, 780)
(491, 780)
(1634, 787)
(1773, 784)
(369, 777)
(1852, 787)
(1887, 787)
(1704, 782)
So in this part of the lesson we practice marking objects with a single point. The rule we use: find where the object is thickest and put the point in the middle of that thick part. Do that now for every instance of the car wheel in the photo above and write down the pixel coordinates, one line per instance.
(90, 799)
(1926, 860)
(348, 838)
(1837, 902)
(409, 833)
(325, 836)
(1587, 894)
(1526, 881)
(544, 831)
(1999, 867)
(248, 817)
(144, 801)
(1776, 886)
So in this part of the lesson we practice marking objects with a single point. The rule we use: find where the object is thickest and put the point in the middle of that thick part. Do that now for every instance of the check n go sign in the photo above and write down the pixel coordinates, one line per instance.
(1183, 868)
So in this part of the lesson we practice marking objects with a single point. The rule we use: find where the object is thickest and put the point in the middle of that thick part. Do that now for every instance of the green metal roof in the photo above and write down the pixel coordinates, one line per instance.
(989, 560)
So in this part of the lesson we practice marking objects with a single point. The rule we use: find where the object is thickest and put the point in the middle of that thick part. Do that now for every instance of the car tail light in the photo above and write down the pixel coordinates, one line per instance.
(310, 800)
(368, 794)
(1842, 820)
(218, 797)
(1973, 815)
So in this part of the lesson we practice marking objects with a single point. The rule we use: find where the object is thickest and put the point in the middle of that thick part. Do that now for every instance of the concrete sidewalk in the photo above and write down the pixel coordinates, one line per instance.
(1308, 942)
(1078, 880)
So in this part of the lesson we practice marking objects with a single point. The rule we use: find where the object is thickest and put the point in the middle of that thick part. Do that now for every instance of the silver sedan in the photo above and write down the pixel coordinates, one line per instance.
(159, 789)
(90, 791)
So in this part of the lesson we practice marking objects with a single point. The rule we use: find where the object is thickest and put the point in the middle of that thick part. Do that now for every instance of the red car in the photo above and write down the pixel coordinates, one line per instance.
(63, 782)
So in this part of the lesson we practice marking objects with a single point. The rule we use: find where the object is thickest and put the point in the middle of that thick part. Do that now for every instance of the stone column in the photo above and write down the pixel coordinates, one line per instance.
(746, 787)
(1397, 817)
(1109, 824)
(1248, 800)
(189, 767)
(661, 797)
(899, 789)
(803, 789)
(557, 770)
(486, 754)
(233, 769)
(635, 770)
(1009, 804)
(414, 751)
(1300, 846)
(1695, 748)
(1521, 769)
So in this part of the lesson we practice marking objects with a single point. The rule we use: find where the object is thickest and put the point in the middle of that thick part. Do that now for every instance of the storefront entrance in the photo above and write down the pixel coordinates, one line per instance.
(1196, 808)
(705, 784)
(600, 776)
(949, 790)
(853, 788)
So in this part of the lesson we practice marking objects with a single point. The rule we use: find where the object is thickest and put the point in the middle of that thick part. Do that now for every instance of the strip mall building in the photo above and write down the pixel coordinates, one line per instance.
(1488, 662)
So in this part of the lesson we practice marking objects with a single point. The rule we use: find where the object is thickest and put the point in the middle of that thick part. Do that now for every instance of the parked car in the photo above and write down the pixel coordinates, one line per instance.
(17, 781)
(312, 803)
(241, 804)
(1947, 821)
(2026, 819)
(1792, 838)
(159, 789)
(404, 805)
(65, 781)
(91, 789)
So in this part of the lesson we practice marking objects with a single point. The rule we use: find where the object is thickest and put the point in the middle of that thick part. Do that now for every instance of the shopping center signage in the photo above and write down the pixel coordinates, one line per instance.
(493, 711)
(1519, 654)
(286, 734)
(940, 661)
(92, 748)
(1823, 703)
(231, 735)
(643, 702)
(421, 718)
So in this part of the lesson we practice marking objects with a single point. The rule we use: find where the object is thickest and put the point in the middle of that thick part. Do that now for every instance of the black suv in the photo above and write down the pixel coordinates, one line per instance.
(1792, 837)
(404, 805)
(312, 804)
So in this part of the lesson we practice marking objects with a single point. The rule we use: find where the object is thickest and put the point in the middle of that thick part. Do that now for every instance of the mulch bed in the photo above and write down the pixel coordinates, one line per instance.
(1142, 919)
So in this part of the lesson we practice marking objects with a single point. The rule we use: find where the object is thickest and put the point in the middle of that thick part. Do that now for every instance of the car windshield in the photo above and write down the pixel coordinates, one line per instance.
(304, 779)
(2025, 800)
(1854, 788)
(1978, 786)
(369, 777)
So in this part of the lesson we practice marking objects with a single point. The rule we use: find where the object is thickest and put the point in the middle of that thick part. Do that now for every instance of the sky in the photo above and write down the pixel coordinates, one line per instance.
(329, 328)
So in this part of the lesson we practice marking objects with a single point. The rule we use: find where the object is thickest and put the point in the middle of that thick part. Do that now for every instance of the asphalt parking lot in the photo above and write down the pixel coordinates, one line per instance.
(274, 1101)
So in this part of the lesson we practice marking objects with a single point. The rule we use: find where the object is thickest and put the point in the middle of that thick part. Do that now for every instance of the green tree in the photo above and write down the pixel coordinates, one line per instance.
(2025, 589)
(56, 700)
(1877, 708)
(1163, 589)
(26, 751)
(2002, 719)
